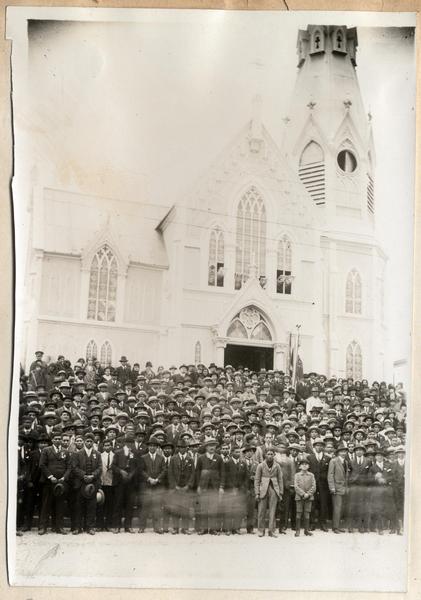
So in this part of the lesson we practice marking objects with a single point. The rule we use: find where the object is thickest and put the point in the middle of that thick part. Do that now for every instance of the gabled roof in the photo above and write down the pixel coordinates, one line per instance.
(73, 222)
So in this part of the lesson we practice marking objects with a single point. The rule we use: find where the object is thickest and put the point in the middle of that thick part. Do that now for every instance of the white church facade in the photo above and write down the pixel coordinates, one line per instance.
(269, 238)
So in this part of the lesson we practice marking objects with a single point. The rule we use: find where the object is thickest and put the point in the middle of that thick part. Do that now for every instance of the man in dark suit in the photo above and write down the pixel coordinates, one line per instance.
(152, 469)
(23, 477)
(233, 483)
(337, 477)
(123, 372)
(288, 471)
(208, 477)
(105, 511)
(358, 499)
(398, 486)
(268, 487)
(251, 465)
(54, 464)
(34, 488)
(194, 446)
(125, 470)
(167, 454)
(319, 466)
(87, 469)
(180, 474)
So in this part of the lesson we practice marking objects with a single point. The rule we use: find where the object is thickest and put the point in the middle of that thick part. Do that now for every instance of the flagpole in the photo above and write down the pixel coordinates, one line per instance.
(294, 368)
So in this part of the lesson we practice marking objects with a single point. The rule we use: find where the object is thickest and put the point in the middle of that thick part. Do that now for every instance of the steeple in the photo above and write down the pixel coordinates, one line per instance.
(328, 138)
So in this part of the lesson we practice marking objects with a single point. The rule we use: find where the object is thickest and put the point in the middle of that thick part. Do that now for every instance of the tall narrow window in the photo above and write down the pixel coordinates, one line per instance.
(251, 237)
(339, 41)
(317, 42)
(353, 287)
(354, 361)
(106, 354)
(216, 258)
(91, 350)
(103, 285)
(197, 353)
(284, 270)
(312, 172)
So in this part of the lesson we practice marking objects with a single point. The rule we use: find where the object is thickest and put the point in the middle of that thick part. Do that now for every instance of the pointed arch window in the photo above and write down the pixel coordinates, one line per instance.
(91, 350)
(354, 361)
(317, 42)
(251, 324)
(353, 294)
(339, 41)
(216, 258)
(261, 332)
(103, 285)
(251, 237)
(312, 172)
(106, 354)
(284, 267)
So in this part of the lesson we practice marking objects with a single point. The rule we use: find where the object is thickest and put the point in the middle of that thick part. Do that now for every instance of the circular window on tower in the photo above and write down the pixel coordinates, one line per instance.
(347, 161)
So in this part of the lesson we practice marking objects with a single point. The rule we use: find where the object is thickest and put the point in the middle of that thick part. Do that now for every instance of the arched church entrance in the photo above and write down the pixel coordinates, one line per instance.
(249, 341)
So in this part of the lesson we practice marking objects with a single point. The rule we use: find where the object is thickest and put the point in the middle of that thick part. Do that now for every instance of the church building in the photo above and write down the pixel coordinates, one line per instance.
(269, 238)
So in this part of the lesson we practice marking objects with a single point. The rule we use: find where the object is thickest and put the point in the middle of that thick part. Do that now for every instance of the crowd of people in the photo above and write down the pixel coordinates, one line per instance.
(206, 450)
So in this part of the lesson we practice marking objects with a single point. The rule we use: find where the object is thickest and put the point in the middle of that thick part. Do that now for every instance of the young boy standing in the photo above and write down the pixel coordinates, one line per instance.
(305, 488)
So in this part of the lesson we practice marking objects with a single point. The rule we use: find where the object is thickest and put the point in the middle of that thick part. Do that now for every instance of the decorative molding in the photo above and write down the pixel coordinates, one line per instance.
(102, 237)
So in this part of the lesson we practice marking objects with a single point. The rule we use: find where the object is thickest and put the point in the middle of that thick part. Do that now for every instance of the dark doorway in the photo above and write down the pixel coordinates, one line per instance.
(248, 356)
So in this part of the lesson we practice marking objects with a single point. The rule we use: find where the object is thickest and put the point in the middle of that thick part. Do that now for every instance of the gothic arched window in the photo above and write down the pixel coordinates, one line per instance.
(312, 171)
(284, 266)
(354, 361)
(317, 41)
(249, 323)
(216, 258)
(91, 350)
(103, 285)
(353, 289)
(251, 237)
(339, 41)
(106, 354)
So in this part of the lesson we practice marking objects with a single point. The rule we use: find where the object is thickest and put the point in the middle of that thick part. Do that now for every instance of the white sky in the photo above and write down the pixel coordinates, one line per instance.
(140, 110)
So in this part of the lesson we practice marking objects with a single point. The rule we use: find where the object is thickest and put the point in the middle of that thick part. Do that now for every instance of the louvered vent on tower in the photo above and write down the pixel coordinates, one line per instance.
(312, 172)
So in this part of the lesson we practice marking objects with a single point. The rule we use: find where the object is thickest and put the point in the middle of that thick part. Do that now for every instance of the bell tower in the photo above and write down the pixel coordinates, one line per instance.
(328, 132)
(329, 144)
